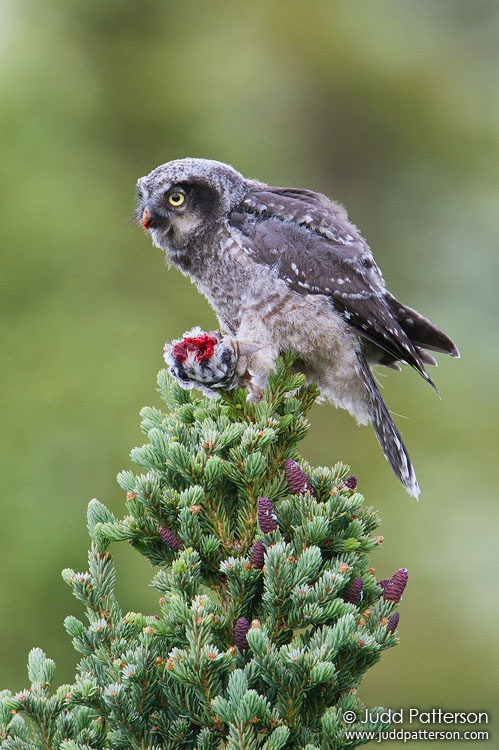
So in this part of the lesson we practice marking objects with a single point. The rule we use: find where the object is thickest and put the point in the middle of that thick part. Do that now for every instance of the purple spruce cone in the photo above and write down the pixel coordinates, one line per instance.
(258, 555)
(353, 592)
(170, 538)
(350, 482)
(298, 481)
(394, 588)
(393, 622)
(267, 519)
(240, 630)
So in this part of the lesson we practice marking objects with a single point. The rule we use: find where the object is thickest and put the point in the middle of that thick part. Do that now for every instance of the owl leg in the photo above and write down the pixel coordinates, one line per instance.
(254, 363)
(257, 357)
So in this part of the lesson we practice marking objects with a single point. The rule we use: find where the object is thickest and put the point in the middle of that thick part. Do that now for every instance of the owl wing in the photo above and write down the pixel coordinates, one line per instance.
(307, 241)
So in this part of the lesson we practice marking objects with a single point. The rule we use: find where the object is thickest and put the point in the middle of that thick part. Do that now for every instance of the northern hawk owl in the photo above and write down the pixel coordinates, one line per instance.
(284, 268)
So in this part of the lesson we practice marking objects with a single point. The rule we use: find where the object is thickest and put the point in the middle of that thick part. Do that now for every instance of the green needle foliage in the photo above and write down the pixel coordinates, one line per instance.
(269, 613)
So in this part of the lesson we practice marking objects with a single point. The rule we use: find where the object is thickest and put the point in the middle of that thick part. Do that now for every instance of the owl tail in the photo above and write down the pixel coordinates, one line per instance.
(387, 433)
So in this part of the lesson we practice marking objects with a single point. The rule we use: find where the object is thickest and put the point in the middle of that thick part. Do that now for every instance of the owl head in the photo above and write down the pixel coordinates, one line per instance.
(181, 199)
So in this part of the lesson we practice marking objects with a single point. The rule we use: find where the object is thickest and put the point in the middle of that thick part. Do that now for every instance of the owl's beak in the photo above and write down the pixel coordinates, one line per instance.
(146, 218)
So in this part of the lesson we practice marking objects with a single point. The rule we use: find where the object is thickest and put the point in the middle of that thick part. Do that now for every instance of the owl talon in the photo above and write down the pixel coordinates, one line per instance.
(255, 394)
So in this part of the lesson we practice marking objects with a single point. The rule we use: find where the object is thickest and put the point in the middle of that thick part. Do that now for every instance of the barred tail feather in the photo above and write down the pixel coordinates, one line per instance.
(421, 331)
(387, 433)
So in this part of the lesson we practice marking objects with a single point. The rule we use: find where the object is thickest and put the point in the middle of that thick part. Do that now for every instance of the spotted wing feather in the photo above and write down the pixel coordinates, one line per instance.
(307, 241)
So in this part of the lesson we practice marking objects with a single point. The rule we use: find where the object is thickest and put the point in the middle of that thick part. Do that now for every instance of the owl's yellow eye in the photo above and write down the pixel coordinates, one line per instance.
(176, 198)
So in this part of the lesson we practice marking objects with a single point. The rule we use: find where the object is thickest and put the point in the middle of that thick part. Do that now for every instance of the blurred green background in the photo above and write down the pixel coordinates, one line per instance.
(392, 108)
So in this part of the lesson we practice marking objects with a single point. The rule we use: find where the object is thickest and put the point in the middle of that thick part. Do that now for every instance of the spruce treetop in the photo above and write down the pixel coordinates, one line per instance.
(269, 612)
